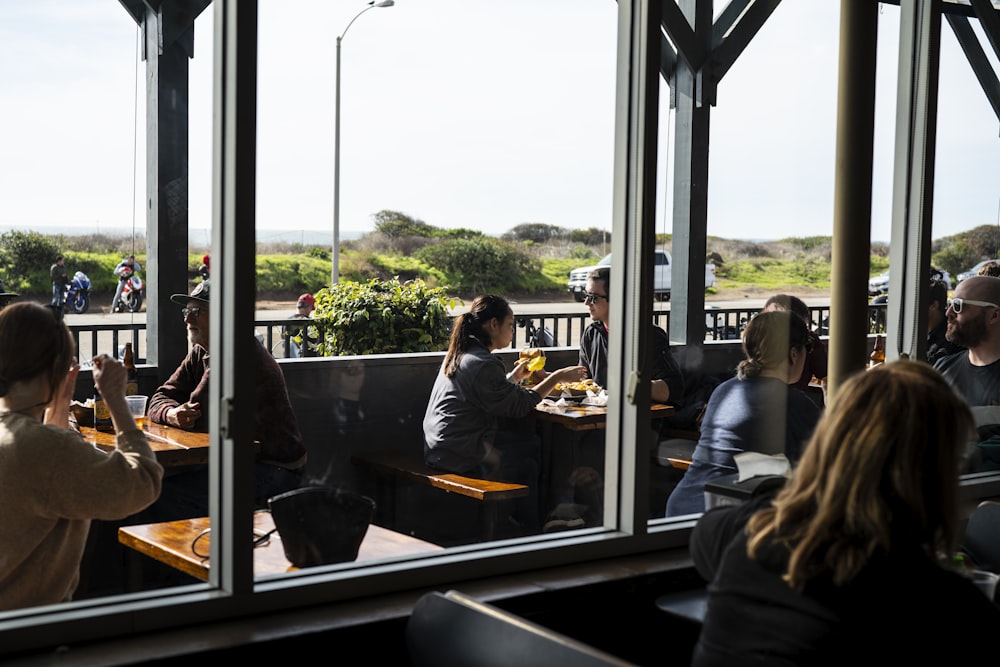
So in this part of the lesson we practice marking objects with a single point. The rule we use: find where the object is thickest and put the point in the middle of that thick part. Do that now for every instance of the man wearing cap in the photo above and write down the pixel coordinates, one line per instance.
(302, 340)
(182, 401)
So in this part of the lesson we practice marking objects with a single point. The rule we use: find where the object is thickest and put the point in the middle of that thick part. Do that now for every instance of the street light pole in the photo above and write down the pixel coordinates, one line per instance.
(335, 269)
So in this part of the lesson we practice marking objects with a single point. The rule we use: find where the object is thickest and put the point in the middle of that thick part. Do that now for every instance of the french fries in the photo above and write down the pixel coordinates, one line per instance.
(581, 387)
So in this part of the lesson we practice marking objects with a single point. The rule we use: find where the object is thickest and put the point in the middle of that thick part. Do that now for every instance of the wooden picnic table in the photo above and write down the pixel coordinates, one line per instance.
(173, 446)
(578, 417)
(172, 543)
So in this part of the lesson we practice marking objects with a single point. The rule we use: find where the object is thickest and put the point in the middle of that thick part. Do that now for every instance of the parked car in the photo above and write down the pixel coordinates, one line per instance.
(880, 284)
(974, 270)
(661, 276)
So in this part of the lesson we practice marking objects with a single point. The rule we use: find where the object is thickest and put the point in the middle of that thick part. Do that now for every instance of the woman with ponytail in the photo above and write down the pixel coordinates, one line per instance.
(473, 391)
(756, 411)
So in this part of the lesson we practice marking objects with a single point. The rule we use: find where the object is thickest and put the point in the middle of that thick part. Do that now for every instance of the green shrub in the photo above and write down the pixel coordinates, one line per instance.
(382, 317)
(26, 258)
(482, 264)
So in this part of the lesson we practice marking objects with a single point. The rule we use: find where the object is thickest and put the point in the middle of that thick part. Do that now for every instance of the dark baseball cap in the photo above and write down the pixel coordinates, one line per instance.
(199, 294)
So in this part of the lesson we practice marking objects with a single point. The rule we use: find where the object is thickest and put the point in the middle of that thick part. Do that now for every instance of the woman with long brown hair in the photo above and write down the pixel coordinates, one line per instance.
(756, 411)
(52, 483)
(473, 392)
(846, 562)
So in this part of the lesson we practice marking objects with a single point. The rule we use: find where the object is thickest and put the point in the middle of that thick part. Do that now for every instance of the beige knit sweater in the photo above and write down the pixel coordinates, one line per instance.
(52, 484)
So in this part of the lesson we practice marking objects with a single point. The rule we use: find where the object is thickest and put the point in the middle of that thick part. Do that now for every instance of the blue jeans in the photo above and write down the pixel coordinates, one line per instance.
(57, 295)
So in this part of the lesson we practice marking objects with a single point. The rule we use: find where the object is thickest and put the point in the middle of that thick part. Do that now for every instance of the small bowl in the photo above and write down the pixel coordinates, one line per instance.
(83, 414)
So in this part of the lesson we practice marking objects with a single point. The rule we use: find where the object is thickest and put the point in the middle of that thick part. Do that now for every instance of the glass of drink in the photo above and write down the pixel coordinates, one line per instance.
(137, 406)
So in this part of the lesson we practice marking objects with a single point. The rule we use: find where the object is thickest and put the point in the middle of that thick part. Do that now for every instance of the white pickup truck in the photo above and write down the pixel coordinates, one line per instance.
(661, 276)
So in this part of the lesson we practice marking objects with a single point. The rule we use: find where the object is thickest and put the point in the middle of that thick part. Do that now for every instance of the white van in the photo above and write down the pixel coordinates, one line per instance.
(661, 276)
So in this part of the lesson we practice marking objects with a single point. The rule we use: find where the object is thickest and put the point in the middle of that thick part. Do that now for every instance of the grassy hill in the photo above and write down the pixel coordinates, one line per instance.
(531, 260)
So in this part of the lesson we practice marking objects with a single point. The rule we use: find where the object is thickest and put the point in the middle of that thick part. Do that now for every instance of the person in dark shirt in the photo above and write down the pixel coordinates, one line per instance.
(938, 345)
(666, 378)
(60, 278)
(973, 322)
(851, 561)
(471, 396)
(182, 401)
(302, 339)
(816, 361)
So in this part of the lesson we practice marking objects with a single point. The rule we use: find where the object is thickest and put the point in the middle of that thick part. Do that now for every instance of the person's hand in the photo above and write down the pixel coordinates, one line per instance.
(57, 413)
(109, 377)
(568, 374)
(520, 371)
(184, 415)
(571, 373)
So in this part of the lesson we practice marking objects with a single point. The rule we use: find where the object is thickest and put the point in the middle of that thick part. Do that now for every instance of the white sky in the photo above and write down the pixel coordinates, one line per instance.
(474, 114)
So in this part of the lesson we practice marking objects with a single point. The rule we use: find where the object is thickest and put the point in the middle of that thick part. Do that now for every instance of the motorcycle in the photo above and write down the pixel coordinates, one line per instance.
(131, 296)
(77, 295)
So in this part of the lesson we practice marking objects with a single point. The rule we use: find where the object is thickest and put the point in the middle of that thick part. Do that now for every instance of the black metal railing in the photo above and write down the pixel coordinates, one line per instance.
(566, 329)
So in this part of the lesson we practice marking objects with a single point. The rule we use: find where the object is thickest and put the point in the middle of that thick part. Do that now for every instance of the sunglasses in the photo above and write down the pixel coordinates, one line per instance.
(958, 303)
(190, 312)
(590, 297)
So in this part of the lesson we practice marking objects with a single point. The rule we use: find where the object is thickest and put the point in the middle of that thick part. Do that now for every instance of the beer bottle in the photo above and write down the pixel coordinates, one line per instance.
(102, 418)
(878, 352)
(132, 375)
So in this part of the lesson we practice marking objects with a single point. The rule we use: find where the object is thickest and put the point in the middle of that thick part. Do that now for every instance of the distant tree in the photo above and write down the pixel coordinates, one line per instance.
(536, 232)
(590, 236)
(810, 242)
(394, 225)
(961, 251)
(459, 233)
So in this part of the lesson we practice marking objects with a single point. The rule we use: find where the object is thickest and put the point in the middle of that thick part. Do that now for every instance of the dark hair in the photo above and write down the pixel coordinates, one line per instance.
(991, 269)
(469, 326)
(603, 274)
(768, 339)
(33, 342)
(939, 294)
(792, 303)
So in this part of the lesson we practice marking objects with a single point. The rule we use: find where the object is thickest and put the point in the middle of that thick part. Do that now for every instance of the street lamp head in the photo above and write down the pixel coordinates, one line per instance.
(384, 3)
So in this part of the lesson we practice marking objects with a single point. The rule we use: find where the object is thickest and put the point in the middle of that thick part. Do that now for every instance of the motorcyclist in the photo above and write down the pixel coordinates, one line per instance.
(124, 271)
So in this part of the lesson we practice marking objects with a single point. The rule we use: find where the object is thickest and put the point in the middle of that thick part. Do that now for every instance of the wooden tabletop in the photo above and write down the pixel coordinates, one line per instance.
(578, 417)
(173, 446)
(170, 543)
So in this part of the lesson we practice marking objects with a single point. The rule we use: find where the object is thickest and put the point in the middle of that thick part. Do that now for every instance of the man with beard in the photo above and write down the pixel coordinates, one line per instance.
(938, 345)
(974, 323)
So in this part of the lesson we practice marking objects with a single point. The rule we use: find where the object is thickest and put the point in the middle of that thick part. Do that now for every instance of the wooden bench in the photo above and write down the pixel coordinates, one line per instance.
(411, 467)
(676, 448)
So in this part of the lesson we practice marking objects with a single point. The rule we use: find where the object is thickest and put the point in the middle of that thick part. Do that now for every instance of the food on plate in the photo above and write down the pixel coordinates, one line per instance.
(578, 388)
(532, 356)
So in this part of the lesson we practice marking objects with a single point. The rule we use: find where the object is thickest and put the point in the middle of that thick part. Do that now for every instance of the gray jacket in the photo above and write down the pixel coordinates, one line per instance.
(462, 415)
